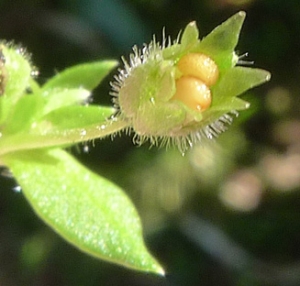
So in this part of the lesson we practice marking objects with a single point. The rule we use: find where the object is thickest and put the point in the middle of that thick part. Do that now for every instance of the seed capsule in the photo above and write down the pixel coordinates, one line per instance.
(199, 66)
(193, 92)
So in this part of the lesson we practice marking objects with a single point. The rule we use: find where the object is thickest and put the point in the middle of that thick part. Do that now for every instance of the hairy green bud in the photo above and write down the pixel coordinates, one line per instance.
(179, 92)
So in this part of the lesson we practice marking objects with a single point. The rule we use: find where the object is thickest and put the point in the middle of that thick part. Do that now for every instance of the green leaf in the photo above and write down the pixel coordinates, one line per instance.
(22, 114)
(88, 211)
(87, 76)
(57, 98)
(76, 116)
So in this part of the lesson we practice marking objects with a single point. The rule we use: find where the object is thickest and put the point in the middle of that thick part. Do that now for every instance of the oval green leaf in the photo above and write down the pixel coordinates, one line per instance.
(72, 117)
(87, 76)
(87, 210)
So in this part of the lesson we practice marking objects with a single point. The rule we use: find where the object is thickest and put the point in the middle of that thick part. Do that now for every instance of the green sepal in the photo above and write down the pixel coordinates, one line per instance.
(17, 72)
(234, 82)
(221, 42)
(164, 118)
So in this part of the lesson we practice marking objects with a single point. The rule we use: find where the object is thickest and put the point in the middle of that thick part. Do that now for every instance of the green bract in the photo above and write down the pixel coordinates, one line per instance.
(36, 122)
(143, 91)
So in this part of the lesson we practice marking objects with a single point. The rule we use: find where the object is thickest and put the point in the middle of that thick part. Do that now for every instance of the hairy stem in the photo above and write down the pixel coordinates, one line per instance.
(55, 138)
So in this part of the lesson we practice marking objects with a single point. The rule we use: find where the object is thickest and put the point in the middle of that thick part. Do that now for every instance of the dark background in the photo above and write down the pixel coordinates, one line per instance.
(226, 213)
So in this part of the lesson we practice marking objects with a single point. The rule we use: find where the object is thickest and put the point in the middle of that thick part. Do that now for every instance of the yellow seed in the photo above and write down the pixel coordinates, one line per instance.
(200, 66)
(193, 92)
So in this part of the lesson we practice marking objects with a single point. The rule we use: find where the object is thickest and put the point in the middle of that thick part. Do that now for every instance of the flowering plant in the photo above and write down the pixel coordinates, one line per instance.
(169, 93)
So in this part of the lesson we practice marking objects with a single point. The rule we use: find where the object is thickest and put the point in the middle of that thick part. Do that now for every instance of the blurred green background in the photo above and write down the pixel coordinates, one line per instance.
(226, 213)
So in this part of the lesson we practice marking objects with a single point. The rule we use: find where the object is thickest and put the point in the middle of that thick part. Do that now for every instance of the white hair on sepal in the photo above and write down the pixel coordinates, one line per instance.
(243, 62)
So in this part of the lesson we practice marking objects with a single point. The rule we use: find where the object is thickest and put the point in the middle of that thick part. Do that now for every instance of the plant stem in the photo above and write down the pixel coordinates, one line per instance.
(59, 138)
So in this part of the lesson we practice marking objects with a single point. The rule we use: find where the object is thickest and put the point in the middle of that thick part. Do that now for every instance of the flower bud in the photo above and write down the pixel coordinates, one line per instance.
(180, 92)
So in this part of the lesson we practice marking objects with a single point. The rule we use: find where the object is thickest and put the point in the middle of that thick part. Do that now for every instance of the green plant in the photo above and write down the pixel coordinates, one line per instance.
(161, 95)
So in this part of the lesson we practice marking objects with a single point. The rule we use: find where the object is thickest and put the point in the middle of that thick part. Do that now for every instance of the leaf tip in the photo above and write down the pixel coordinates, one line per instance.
(267, 76)
(112, 63)
(192, 24)
(161, 272)
(157, 269)
(263, 75)
(241, 14)
(149, 264)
